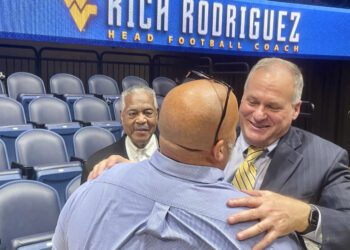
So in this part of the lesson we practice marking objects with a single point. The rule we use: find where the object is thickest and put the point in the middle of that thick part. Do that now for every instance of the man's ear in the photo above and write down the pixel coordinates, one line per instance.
(296, 110)
(121, 117)
(218, 151)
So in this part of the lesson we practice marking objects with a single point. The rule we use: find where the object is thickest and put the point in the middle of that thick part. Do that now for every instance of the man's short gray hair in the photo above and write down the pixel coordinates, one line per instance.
(141, 88)
(268, 63)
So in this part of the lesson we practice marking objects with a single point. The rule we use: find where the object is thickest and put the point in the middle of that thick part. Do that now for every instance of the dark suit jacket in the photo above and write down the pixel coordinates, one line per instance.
(117, 148)
(312, 169)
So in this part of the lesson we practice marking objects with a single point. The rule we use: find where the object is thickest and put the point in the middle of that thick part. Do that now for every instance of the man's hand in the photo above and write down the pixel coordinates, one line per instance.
(278, 215)
(106, 164)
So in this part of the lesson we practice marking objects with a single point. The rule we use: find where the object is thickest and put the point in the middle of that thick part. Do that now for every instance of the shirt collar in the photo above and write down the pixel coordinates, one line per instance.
(242, 145)
(200, 174)
(138, 154)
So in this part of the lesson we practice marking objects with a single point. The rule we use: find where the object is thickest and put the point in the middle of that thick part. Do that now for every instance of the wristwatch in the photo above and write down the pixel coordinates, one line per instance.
(313, 220)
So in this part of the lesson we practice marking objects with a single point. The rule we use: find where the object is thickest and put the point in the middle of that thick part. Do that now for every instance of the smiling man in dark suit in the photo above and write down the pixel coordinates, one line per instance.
(308, 178)
(139, 117)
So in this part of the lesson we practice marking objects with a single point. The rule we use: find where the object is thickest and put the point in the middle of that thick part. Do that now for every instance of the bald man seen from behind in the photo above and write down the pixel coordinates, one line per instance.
(174, 200)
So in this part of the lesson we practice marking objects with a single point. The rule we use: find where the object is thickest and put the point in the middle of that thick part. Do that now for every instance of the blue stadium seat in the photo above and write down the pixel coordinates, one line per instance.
(72, 186)
(27, 208)
(63, 83)
(7, 174)
(117, 109)
(42, 155)
(53, 114)
(24, 87)
(67, 87)
(160, 100)
(162, 85)
(4, 161)
(94, 111)
(104, 87)
(12, 124)
(130, 81)
(88, 140)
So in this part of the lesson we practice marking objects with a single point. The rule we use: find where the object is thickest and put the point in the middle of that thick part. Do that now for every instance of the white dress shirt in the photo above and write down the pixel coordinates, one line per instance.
(139, 154)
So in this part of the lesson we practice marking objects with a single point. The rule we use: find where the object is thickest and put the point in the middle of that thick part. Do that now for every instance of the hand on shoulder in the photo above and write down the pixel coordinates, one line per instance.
(106, 164)
(278, 215)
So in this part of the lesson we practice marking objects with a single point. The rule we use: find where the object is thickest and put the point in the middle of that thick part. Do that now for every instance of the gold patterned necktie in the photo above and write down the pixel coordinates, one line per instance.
(246, 173)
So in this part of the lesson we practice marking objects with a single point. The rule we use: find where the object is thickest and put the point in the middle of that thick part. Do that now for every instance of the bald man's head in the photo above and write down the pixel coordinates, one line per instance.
(191, 113)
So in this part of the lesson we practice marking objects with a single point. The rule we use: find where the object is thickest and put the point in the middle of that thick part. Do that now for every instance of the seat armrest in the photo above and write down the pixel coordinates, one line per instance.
(34, 239)
(99, 96)
(10, 172)
(59, 96)
(74, 158)
(27, 171)
(83, 123)
(57, 166)
(36, 125)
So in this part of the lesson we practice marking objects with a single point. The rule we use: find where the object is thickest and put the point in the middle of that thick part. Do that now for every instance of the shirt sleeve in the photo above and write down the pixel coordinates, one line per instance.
(59, 241)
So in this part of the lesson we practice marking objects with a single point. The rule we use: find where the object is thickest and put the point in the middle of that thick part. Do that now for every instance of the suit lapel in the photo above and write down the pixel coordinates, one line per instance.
(285, 160)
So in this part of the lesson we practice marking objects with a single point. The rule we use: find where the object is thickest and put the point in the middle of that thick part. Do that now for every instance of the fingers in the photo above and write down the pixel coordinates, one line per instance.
(114, 159)
(244, 202)
(266, 241)
(106, 164)
(265, 225)
(246, 215)
(254, 192)
(275, 214)
(95, 172)
(256, 229)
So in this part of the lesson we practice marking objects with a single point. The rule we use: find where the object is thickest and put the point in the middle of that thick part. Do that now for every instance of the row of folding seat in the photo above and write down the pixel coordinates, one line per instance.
(24, 87)
(29, 208)
(53, 114)
(42, 155)
(63, 83)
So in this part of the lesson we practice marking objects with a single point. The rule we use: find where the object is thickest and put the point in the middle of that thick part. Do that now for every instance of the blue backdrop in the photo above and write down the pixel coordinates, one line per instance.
(257, 28)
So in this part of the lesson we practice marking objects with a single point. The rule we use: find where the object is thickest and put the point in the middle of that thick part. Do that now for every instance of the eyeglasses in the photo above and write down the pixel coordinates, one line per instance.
(197, 75)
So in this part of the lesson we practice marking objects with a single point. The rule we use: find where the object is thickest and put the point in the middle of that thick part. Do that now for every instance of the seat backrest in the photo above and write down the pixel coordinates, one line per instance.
(40, 147)
(130, 81)
(91, 109)
(11, 112)
(63, 83)
(4, 161)
(26, 208)
(2, 88)
(162, 85)
(24, 83)
(49, 110)
(88, 140)
(72, 186)
(117, 109)
(160, 100)
(103, 85)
